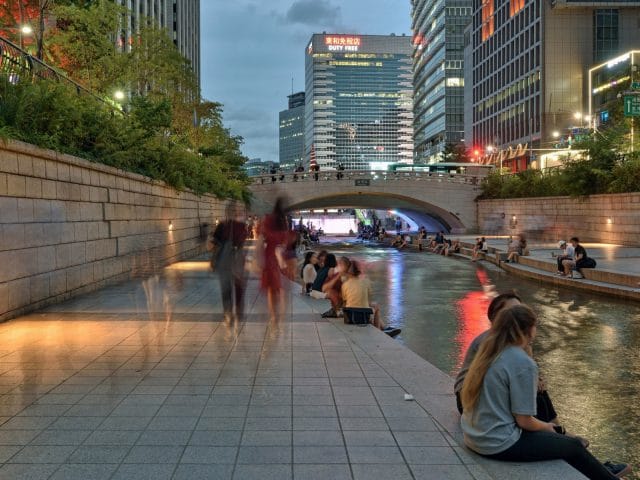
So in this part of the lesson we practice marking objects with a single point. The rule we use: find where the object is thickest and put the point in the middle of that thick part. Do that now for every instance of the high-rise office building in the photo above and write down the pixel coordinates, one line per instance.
(181, 18)
(359, 107)
(291, 126)
(530, 63)
(438, 39)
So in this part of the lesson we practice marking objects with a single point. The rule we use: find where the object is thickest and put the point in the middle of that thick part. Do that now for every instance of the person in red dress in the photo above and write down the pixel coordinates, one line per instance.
(274, 230)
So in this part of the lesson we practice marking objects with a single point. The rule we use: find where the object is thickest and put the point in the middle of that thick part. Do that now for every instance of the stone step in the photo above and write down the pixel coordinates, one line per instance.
(595, 274)
(588, 284)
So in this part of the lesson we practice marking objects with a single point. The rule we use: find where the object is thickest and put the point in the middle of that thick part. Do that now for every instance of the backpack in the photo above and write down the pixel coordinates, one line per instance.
(586, 263)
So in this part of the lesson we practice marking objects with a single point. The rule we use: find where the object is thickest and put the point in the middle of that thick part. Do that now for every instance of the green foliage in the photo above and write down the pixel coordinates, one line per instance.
(157, 136)
(51, 115)
(603, 169)
(455, 153)
(626, 176)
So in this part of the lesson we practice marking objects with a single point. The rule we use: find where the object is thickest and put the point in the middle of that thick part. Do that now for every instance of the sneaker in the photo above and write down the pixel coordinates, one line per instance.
(618, 469)
(392, 331)
(331, 313)
(578, 275)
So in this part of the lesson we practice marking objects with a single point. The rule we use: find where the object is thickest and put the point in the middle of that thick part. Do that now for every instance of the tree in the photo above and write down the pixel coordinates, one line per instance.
(83, 44)
(456, 153)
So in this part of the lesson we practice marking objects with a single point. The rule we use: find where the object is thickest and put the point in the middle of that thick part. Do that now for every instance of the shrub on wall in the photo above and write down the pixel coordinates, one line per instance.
(52, 116)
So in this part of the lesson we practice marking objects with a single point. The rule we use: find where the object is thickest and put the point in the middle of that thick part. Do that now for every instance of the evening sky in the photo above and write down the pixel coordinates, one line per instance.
(251, 49)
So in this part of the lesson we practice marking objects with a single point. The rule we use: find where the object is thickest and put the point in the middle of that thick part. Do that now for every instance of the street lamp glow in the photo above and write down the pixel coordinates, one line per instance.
(577, 115)
(26, 29)
(555, 134)
(118, 95)
(587, 118)
(490, 148)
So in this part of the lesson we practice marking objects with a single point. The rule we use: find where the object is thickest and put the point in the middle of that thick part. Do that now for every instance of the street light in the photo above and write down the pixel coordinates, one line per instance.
(118, 95)
(577, 116)
(555, 134)
(26, 29)
(490, 148)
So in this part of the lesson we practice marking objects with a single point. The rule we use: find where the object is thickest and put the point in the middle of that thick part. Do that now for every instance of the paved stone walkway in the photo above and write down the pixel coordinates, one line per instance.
(145, 381)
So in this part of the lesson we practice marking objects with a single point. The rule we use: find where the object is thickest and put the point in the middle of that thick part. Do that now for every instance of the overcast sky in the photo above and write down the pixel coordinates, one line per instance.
(252, 48)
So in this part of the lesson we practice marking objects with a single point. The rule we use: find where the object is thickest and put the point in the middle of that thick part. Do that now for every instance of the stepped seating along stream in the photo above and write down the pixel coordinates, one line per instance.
(623, 285)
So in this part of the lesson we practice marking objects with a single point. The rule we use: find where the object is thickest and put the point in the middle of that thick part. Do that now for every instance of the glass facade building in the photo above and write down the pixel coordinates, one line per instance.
(291, 132)
(181, 18)
(438, 41)
(359, 101)
(530, 70)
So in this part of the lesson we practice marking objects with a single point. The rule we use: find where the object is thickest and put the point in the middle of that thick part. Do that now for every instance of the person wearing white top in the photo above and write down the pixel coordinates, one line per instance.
(309, 272)
(568, 253)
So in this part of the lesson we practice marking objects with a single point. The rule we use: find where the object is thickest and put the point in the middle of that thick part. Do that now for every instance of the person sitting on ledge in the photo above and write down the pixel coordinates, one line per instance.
(332, 287)
(499, 401)
(580, 261)
(356, 293)
(567, 254)
(499, 303)
(544, 406)
(452, 247)
(517, 248)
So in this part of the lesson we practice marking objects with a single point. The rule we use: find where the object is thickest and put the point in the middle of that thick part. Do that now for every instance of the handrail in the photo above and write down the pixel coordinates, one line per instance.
(16, 62)
(370, 175)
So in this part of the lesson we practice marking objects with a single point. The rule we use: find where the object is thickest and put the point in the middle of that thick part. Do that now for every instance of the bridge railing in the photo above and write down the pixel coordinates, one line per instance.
(364, 177)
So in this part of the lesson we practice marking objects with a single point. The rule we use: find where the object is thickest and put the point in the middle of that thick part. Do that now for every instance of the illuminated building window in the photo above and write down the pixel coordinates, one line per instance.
(455, 82)
(488, 24)
(515, 6)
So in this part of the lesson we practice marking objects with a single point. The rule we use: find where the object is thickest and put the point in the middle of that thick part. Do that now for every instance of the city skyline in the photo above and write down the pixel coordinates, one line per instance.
(241, 38)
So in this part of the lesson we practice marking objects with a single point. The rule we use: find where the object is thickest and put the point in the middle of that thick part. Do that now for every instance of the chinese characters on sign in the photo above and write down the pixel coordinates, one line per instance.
(342, 43)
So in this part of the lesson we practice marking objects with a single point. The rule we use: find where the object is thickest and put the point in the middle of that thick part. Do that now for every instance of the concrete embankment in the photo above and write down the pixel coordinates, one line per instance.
(69, 226)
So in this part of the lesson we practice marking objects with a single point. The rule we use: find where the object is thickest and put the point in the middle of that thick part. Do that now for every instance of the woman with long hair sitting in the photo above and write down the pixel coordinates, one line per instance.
(499, 400)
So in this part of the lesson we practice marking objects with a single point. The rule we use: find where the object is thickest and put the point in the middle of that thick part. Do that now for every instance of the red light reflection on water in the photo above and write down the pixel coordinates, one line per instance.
(471, 311)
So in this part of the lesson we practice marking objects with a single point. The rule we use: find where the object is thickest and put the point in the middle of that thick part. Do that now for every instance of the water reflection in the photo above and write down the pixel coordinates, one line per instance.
(588, 347)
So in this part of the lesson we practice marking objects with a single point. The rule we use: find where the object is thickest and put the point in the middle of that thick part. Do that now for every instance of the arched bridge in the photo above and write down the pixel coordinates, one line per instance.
(447, 199)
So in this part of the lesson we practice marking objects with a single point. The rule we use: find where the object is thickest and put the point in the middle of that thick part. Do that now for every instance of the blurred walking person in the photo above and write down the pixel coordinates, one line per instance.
(228, 259)
(274, 230)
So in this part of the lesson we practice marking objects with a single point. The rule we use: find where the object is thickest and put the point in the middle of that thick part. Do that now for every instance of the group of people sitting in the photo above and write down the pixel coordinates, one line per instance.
(479, 247)
(438, 244)
(507, 413)
(340, 281)
(573, 259)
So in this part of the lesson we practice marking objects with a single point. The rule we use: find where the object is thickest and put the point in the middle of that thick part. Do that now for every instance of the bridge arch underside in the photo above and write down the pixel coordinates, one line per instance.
(422, 213)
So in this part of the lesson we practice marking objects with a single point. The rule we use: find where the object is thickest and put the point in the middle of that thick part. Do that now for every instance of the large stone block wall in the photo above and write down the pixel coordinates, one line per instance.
(598, 218)
(69, 226)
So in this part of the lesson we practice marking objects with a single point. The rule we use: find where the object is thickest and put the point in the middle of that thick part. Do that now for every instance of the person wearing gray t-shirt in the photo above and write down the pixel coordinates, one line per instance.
(545, 409)
(509, 388)
(499, 401)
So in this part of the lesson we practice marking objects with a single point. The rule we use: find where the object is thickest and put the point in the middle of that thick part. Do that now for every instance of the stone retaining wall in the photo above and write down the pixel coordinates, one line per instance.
(69, 226)
(599, 218)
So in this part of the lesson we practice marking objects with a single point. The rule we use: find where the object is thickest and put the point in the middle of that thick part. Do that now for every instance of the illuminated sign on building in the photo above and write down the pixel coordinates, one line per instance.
(341, 43)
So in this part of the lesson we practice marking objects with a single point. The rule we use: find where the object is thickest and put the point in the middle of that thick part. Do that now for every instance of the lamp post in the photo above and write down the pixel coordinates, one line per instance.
(23, 30)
